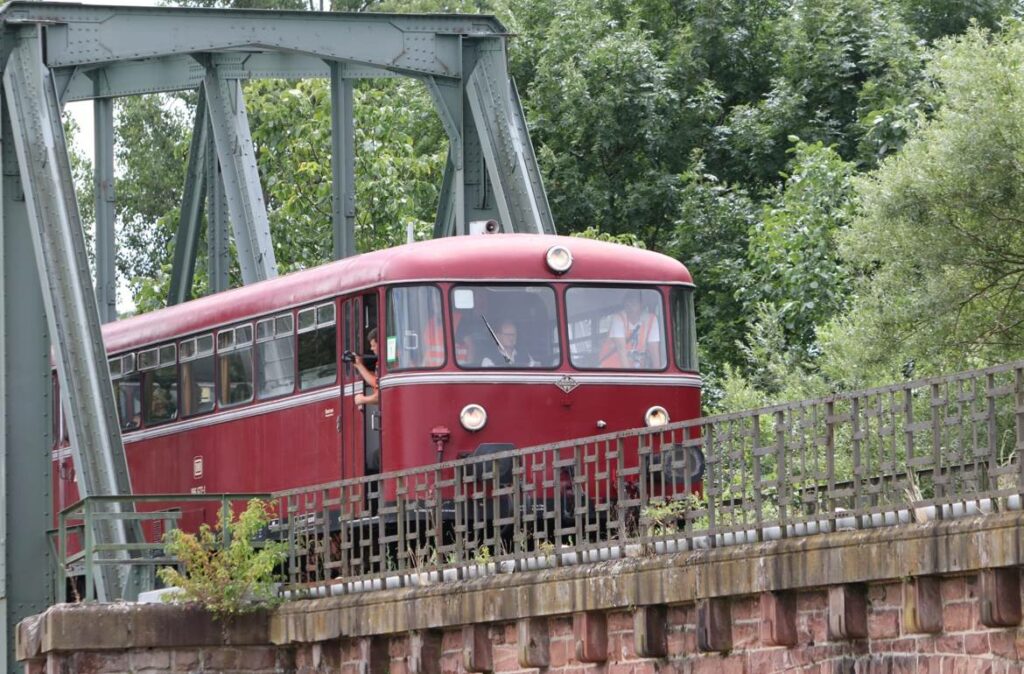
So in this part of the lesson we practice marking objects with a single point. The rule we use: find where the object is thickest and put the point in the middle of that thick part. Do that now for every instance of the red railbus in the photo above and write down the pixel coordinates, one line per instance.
(486, 343)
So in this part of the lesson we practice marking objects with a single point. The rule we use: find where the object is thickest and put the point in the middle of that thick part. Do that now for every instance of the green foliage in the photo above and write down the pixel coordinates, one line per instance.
(230, 579)
(940, 244)
(795, 264)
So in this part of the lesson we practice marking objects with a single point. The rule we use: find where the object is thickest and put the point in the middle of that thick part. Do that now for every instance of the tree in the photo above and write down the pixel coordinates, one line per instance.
(940, 244)
(794, 258)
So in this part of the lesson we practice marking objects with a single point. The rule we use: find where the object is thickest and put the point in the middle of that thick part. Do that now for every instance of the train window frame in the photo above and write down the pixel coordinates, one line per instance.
(557, 315)
(234, 340)
(684, 337)
(198, 348)
(160, 369)
(315, 326)
(391, 338)
(663, 312)
(122, 374)
(277, 327)
(148, 359)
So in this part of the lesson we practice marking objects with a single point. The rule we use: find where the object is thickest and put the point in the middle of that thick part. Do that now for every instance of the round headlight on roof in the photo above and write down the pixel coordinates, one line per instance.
(473, 417)
(656, 416)
(559, 259)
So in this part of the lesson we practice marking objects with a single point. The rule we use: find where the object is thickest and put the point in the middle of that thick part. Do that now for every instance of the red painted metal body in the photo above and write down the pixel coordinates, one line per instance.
(317, 436)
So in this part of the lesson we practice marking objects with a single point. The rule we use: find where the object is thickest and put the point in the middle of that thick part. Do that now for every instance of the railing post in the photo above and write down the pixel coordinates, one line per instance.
(62, 556)
(830, 455)
(1018, 387)
(756, 452)
(856, 468)
(87, 550)
(225, 518)
(518, 537)
(708, 443)
(937, 450)
(783, 489)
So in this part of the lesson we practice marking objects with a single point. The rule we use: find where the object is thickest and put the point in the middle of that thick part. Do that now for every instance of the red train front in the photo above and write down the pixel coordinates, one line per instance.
(486, 343)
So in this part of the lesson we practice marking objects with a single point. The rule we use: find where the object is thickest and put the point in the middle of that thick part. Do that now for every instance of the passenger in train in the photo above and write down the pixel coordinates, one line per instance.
(370, 378)
(634, 338)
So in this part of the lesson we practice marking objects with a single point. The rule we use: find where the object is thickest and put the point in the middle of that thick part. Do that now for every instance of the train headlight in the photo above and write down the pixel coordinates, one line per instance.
(559, 259)
(656, 416)
(473, 417)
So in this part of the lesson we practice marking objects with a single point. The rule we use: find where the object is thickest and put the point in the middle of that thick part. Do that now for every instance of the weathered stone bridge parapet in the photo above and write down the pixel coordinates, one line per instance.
(939, 597)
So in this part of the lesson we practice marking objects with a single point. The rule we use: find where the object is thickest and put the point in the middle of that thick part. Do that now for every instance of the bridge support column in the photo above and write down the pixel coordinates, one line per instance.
(58, 243)
(778, 618)
(1000, 597)
(922, 605)
(476, 649)
(590, 629)
(343, 160)
(714, 625)
(847, 612)
(425, 651)
(534, 642)
(103, 186)
(649, 635)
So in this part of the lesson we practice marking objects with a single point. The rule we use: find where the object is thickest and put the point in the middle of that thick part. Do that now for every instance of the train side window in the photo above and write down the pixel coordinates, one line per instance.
(318, 346)
(160, 384)
(234, 365)
(415, 336)
(127, 391)
(197, 375)
(684, 331)
(275, 349)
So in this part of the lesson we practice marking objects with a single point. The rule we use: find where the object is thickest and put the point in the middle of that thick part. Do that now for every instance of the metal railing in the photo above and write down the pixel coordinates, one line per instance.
(78, 554)
(929, 449)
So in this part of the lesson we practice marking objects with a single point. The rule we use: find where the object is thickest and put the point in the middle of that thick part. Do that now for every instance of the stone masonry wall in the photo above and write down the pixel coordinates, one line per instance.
(943, 598)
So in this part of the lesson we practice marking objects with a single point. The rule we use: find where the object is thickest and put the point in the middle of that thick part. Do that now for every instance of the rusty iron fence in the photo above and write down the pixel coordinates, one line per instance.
(931, 449)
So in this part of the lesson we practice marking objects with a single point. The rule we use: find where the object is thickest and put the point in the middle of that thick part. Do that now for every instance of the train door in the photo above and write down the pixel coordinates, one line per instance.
(360, 427)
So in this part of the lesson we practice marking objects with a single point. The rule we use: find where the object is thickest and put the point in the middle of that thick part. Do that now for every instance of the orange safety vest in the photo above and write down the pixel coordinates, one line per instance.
(433, 345)
(636, 345)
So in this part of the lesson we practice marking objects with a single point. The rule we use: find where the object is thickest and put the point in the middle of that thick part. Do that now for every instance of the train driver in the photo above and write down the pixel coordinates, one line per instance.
(634, 338)
(370, 378)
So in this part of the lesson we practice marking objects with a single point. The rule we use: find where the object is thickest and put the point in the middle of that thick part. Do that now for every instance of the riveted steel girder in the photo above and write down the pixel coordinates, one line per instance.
(411, 44)
(180, 72)
(25, 415)
(103, 190)
(218, 259)
(71, 310)
(511, 165)
(248, 213)
(343, 161)
(186, 238)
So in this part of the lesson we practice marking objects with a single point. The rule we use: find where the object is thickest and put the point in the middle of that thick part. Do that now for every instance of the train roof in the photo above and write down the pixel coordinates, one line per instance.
(490, 257)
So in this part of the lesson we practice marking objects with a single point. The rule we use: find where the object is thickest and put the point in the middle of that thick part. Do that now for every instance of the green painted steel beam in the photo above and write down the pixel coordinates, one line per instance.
(58, 243)
(186, 237)
(181, 72)
(411, 44)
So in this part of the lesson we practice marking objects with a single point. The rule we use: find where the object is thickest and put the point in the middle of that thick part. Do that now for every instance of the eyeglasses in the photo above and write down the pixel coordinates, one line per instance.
(508, 334)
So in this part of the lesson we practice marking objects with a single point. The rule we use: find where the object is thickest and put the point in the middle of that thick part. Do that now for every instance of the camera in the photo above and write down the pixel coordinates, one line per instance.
(348, 357)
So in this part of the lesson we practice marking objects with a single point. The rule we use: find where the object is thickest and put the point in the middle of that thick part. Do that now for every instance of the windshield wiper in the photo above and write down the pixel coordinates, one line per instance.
(497, 342)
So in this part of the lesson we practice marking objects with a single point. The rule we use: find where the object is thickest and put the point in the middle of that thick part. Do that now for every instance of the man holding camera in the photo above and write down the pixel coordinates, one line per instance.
(369, 377)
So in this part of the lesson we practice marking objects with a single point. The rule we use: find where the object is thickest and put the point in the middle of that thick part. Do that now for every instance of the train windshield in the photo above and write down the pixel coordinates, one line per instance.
(499, 326)
(616, 328)
(415, 336)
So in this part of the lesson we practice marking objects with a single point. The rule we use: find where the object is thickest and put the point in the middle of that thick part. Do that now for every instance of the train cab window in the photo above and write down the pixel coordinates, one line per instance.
(275, 351)
(415, 336)
(616, 328)
(684, 331)
(505, 326)
(234, 365)
(197, 375)
(159, 384)
(318, 346)
(127, 391)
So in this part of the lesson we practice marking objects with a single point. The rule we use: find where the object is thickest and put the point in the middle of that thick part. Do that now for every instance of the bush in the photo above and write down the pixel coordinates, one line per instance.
(226, 579)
